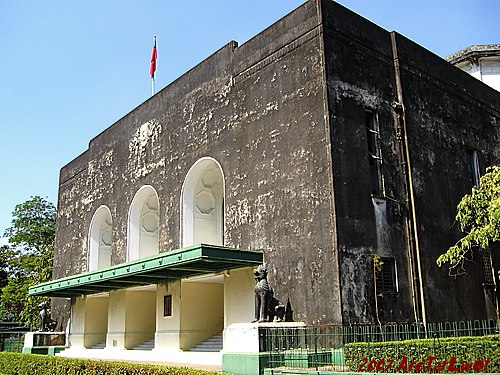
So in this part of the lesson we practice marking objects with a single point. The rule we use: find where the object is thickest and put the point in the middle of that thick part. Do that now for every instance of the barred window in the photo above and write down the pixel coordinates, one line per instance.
(374, 153)
(386, 276)
(487, 267)
(473, 166)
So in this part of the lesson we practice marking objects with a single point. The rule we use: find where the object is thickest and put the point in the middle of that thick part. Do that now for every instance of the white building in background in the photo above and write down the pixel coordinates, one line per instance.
(481, 61)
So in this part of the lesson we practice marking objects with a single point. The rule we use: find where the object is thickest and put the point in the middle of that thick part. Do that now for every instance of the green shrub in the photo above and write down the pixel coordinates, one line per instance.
(396, 356)
(33, 364)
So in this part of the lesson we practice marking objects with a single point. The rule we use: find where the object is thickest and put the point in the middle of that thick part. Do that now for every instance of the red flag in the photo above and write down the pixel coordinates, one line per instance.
(152, 68)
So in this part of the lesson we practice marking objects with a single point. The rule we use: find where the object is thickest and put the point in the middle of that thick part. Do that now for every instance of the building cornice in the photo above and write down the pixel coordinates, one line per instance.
(473, 53)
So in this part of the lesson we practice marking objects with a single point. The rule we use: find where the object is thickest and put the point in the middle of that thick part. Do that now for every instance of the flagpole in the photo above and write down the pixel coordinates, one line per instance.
(152, 68)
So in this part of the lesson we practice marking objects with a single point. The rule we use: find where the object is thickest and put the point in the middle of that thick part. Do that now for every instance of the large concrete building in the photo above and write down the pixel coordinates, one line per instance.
(322, 146)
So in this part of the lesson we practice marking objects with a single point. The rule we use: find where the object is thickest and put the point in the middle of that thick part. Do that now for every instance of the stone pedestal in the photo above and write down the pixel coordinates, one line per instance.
(44, 342)
(244, 350)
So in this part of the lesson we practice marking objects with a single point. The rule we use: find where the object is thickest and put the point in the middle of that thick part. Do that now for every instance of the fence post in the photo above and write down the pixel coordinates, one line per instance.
(316, 348)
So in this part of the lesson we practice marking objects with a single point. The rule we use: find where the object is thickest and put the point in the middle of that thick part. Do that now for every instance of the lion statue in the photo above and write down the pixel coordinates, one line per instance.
(46, 323)
(267, 308)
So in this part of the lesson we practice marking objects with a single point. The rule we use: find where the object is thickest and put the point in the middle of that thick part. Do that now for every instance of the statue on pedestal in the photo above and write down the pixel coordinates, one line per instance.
(46, 323)
(267, 308)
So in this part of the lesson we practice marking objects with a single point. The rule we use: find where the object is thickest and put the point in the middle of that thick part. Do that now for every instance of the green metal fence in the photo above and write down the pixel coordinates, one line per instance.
(336, 348)
(11, 342)
(12, 336)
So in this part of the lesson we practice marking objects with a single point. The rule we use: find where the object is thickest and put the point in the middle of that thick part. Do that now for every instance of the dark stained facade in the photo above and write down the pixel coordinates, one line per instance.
(337, 140)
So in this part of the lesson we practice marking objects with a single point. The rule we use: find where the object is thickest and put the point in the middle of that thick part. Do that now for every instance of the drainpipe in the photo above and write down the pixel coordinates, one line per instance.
(411, 216)
(480, 67)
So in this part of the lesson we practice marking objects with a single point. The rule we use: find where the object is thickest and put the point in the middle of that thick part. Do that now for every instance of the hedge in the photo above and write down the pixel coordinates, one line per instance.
(34, 364)
(454, 354)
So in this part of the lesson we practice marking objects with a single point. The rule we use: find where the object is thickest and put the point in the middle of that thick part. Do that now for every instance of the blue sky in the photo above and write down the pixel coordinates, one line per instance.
(70, 69)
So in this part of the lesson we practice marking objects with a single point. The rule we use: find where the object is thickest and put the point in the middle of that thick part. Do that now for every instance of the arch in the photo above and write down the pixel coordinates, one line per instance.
(143, 224)
(100, 239)
(202, 211)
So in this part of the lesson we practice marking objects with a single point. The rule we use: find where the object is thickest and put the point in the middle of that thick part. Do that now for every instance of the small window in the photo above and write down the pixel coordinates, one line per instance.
(473, 167)
(386, 276)
(167, 305)
(374, 153)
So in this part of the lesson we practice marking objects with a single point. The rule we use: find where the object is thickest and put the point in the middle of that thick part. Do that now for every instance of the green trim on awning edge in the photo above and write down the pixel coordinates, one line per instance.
(194, 260)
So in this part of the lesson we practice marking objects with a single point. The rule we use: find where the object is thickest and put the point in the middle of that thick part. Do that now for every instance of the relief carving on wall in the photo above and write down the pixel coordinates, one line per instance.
(144, 149)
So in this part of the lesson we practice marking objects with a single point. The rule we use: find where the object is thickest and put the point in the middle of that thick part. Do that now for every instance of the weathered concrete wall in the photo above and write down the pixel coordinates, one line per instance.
(360, 78)
(446, 111)
(284, 205)
(258, 110)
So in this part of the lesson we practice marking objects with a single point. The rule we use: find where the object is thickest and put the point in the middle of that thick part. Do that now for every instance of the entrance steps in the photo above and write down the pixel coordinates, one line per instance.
(100, 345)
(146, 345)
(212, 344)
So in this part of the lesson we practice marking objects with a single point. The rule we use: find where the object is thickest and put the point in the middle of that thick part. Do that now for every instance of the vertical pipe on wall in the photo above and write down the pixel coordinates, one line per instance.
(411, 215)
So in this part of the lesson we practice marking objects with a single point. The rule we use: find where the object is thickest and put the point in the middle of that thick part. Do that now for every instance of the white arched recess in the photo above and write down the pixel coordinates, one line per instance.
(143, 224)
(202, 214)
(100, 239)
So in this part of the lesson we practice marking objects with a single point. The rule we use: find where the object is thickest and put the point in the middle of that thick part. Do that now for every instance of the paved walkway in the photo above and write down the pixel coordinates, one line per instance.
(188, 365)
(194, 360)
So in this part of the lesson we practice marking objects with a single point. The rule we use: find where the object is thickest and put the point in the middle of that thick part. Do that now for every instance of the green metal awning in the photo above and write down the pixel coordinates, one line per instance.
(172, 265)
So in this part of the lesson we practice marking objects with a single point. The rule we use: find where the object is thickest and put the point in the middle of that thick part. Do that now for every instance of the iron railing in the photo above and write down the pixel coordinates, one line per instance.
(11, 341)
(12, 336)
(322, 347)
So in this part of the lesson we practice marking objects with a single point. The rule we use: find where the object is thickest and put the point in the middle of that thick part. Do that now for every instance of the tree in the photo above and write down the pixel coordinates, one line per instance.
(4, 257)
(478, 217)
(28, 259)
